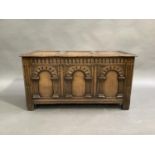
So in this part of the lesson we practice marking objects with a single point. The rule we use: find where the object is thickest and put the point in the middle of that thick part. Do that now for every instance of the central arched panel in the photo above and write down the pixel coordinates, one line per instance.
(78, 84)
(45, 84)
(110, 85)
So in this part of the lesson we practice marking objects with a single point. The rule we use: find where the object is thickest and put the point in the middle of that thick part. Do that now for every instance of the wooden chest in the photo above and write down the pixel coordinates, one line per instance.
(78, 77)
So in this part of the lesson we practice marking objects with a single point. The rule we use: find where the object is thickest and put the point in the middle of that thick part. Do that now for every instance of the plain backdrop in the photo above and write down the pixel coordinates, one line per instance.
(21, 36)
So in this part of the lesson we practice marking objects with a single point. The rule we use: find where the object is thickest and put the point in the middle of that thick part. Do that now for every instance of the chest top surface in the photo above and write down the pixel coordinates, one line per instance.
(78, 54)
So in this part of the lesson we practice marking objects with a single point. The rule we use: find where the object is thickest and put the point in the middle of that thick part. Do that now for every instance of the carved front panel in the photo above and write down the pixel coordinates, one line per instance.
(110, 81)
(77, 81)
(78, 77)
(45, 78)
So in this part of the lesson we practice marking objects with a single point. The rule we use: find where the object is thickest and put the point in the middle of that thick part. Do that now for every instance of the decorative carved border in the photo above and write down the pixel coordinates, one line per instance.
(118, 69)
(84, 69)
(50, 69)
(79, 60)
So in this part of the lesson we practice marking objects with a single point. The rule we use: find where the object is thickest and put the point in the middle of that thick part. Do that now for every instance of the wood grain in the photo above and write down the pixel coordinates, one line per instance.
(110, 86)
(78, 54)
(78, 84)
(45, 85)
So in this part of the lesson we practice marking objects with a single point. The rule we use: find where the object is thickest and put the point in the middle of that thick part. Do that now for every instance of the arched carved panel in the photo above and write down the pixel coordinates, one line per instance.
(110, 72)
(118, 69)
(84, 69)
(39, 73)
(110, 85)
(50, 69)
(45, 84)
(78, 84)
(73, 74)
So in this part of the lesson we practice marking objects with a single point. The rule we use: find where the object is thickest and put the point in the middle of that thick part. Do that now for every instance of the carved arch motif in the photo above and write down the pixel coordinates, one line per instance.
(51, 70)
(102, 79)
(118, 69)
(84, 69)
(69, 77)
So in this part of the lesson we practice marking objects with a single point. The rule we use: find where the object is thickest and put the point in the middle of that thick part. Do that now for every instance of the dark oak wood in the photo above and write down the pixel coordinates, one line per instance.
(78, 77)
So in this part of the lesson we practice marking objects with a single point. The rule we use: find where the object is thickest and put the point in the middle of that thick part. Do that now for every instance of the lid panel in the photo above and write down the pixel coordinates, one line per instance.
(78, 54)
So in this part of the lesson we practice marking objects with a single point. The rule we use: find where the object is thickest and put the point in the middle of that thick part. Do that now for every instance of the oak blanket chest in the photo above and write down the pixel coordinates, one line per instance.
(78, 77)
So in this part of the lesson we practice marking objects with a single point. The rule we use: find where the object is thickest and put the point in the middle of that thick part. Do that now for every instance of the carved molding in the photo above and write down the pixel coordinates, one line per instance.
(40, 61)
(50, 69)
(84, 69)
(118, 69)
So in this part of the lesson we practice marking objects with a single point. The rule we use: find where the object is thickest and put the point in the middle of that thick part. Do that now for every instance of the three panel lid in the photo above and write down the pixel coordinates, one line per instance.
(78, 54)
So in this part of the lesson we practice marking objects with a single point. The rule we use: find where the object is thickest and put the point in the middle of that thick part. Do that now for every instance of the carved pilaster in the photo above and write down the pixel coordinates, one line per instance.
(68, 81)
(100, 87)
(55, 87)
(88, 86)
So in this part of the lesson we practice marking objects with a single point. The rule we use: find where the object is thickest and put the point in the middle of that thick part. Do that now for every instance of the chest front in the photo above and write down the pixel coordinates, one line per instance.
(77, 78)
